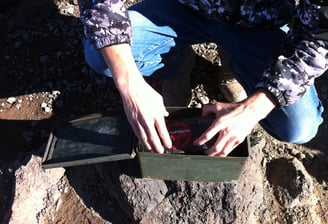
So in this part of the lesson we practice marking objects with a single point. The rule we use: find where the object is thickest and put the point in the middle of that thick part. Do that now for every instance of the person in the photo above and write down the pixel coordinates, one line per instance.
(276, 50)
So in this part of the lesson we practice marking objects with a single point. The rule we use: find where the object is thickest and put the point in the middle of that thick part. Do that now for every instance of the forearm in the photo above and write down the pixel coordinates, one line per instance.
(302, 59)
(120, 61)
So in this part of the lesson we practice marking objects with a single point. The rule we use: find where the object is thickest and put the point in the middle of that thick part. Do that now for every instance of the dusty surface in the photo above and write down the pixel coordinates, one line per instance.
(44, 79)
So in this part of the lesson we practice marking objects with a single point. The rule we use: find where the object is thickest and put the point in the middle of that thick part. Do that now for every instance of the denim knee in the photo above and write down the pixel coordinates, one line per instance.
(297, 123)
(301, 134)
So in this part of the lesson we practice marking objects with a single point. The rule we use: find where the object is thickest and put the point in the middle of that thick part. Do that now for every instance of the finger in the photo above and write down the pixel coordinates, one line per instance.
(163, 133)
(222, 147)
(207, 135)
(228, 147)
(153, 139)
(216, 148)
(142, 137)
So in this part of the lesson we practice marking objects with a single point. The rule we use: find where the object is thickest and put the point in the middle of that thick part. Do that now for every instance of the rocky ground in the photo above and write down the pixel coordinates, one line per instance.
(44, 79)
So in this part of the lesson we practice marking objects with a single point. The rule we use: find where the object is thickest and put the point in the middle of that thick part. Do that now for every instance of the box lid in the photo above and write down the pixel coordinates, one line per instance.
(92, 139)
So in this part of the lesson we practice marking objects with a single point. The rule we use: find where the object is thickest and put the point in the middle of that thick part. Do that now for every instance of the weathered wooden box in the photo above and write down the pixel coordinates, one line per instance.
(100, 138)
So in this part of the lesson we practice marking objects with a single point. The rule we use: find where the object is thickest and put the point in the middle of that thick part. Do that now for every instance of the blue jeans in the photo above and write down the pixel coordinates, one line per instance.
(163, 28)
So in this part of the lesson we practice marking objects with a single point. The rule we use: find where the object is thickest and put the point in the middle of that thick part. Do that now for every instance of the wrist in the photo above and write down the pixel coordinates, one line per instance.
(262, 102)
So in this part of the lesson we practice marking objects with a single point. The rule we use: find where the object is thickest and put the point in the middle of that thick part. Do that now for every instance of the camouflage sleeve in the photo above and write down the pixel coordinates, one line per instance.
(305, 59)
(106, 22)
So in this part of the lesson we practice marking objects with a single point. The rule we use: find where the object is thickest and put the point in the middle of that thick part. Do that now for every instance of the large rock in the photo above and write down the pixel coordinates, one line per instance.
(34, 191)
(295, 192)
(148, 201)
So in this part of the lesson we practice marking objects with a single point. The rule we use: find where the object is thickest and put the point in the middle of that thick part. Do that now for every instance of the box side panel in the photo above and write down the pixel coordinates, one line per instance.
(190, 168)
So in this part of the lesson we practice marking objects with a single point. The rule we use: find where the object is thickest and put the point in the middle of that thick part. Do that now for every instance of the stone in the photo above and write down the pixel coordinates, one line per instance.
(34, 191)
(11, 100)
(232, 90)
(151, 201)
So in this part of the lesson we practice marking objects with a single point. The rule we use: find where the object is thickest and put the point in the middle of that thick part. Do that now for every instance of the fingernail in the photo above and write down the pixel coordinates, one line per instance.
(159, 149)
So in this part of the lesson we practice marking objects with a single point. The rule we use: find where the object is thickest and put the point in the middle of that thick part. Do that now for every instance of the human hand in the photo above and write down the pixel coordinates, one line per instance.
(234, 121)
(143, 106)
(146, 114)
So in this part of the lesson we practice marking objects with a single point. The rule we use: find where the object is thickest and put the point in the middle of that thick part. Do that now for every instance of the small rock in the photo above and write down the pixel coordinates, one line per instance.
(204, 99)
(45, 107)
(11, 100)
(18, 106)
(300, 156)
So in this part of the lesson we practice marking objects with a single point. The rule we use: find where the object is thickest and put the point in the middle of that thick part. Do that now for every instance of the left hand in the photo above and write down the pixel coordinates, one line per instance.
(234, 121)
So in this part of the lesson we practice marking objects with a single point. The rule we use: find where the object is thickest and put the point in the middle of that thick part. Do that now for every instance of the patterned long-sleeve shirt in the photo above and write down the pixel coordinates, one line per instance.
(305, 58)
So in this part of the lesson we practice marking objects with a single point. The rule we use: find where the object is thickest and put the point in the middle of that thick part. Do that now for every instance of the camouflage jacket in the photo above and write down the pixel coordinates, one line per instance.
(292, 72)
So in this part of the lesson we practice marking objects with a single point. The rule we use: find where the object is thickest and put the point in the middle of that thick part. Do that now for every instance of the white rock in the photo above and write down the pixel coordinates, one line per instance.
(11, 100)
(35, 191)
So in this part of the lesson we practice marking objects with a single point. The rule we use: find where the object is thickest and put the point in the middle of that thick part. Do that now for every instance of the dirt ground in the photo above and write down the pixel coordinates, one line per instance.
(44, 79)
